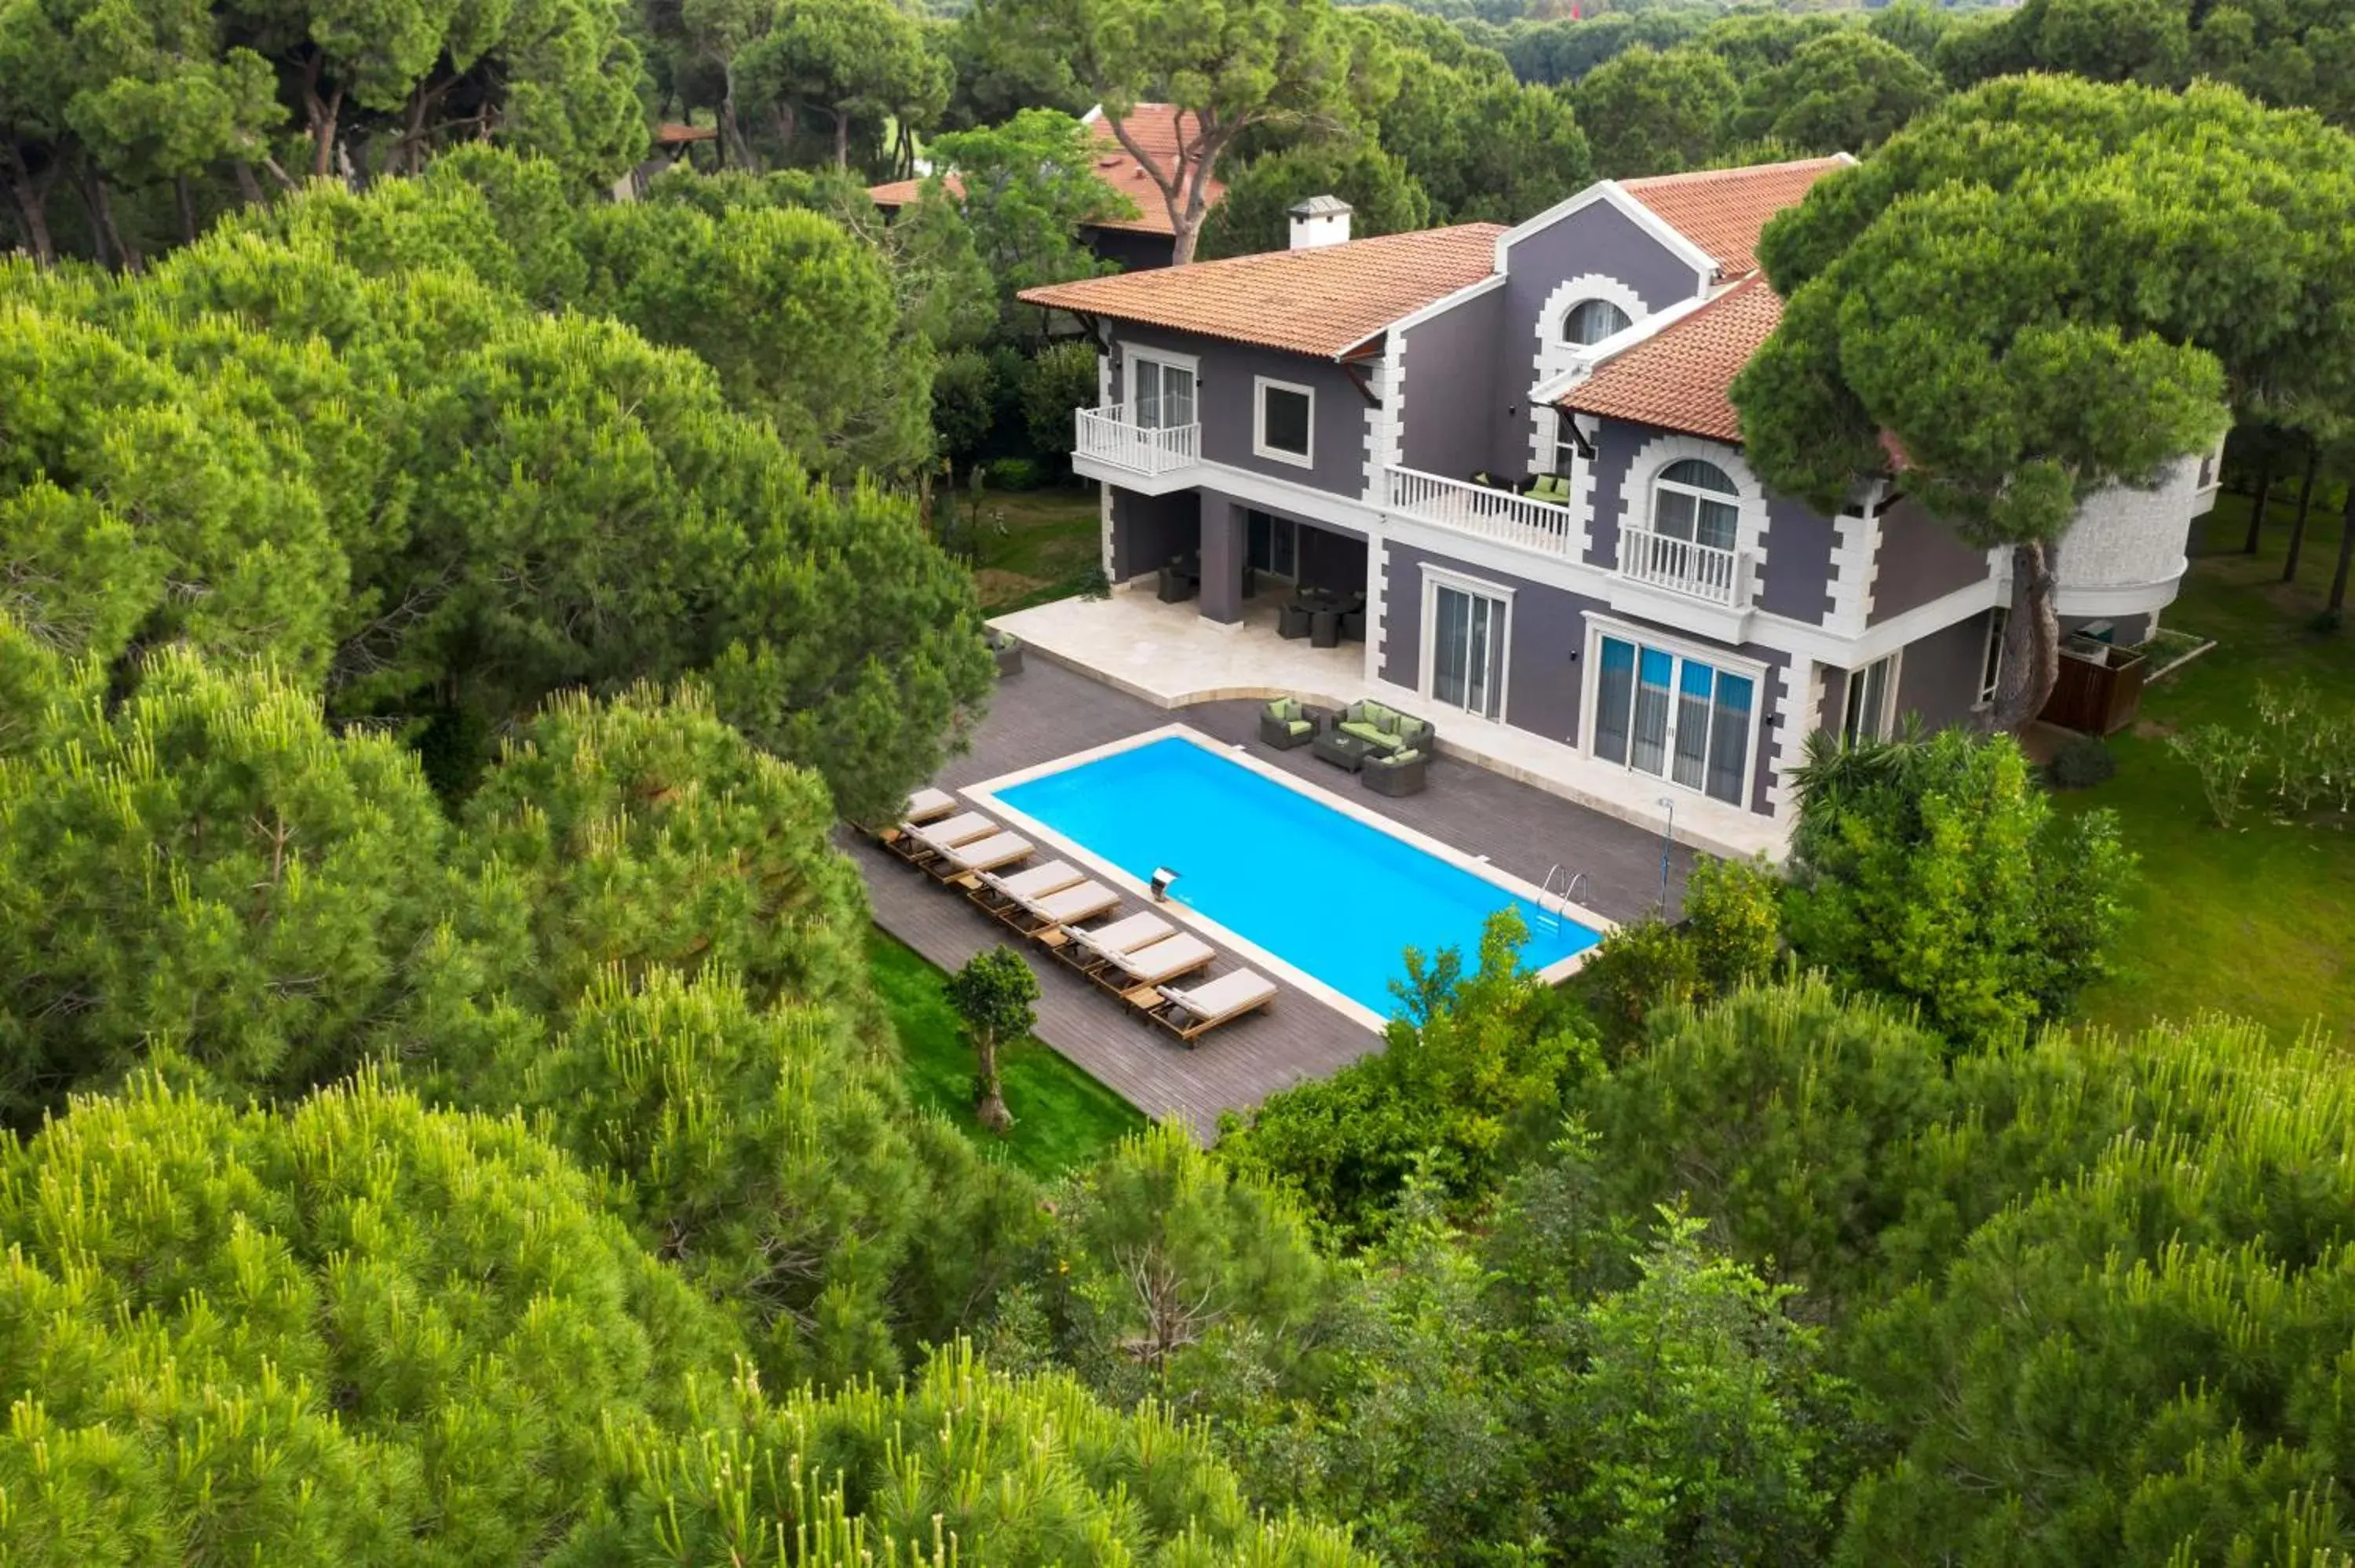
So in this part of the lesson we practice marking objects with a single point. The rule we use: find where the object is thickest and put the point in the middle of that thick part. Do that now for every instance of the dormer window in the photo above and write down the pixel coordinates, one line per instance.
(1695, 502)
(1590, 321)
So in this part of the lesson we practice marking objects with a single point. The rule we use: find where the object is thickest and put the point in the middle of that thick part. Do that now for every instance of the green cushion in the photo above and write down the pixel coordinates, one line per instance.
(1283, 708)
(1400, 759)
(1297, 726)
(1380, 716)
(1413, 730)
(1371, 733)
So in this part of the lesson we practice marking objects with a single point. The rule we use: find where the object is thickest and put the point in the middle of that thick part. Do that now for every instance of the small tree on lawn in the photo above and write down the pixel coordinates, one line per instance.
(992, 994)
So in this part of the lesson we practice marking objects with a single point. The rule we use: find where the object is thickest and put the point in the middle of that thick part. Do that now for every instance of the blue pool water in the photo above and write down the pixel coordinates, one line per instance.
(1326, 893)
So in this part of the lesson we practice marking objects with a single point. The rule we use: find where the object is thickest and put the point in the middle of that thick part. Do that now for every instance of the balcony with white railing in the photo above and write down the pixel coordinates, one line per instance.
(1108, 435)
(1702, 571)
(1497, 515)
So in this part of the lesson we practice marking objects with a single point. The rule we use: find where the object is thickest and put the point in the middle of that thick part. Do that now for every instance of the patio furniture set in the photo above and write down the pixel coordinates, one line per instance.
(1388, 750)
(1140, 957)
(1323, 618)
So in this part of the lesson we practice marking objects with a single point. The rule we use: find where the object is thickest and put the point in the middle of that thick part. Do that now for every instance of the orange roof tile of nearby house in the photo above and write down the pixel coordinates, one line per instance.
(1678, 379)
(681, 135)
(1324, 301)
(1722, 210)
(1153, 126)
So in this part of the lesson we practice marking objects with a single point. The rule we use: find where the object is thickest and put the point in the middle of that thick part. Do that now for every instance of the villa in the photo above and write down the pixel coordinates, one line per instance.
(1167, 134)
(1513, 451)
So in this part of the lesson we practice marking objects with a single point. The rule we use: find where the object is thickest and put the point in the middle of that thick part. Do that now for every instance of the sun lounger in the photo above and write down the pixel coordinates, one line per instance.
(928, 805)
(918, 843)
(997, 892)
(1085, 950)
(1064, 907)
(1137, 971)
(999, 849)
(1191, 1012)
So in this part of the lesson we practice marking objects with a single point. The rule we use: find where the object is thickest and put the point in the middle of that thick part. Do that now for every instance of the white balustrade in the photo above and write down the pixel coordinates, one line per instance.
(1478, 510)
(1106, 435)
(1701, 570)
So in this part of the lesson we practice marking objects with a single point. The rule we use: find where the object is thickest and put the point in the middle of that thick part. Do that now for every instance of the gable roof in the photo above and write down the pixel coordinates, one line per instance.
(1325, 301)
(1155, 127)
(1723, 211)
(1677, 379)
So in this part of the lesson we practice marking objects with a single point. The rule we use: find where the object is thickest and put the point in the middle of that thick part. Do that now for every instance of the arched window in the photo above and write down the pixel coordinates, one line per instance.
(1591, 321)
(1695, 500)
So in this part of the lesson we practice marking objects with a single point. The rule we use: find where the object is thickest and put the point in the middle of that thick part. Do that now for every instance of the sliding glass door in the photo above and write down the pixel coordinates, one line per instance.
(1468, 651)
(1675, 718)
(1163, 392)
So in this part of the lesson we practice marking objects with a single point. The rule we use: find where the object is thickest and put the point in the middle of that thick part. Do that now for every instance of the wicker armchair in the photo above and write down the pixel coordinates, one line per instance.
(1283, 723)
(1395, 773)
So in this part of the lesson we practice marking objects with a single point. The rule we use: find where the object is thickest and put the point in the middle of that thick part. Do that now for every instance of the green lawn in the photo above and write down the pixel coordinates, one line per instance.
(2259, 921)
(1036, 545)
(1062, 1117)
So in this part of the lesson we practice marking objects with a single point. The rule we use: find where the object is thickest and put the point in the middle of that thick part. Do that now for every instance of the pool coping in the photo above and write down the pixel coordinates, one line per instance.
(985, 794)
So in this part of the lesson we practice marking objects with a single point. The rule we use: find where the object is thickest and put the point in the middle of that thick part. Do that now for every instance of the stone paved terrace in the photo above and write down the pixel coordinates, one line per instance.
(1047, 712)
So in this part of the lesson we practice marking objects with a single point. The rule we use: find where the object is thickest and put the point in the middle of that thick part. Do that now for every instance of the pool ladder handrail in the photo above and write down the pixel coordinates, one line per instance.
(1562, 902)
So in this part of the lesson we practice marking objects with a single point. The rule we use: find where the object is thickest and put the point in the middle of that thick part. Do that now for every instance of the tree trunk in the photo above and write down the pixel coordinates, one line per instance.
(2258, 512)
(2031, 640)
(186, 200)
(842, 138)
(32, 205)
(249, 189)
(2346, 548)
(320, 115)
(2305, 503)
(733, 148)
(991, 1112)
(101, 215)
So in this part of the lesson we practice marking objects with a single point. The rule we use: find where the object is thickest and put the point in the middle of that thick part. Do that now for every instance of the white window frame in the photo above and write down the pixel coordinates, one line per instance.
(1132, 352)
(1991, 657)
(1260, 387)
(1589, 700)
(1896, 662)
(1433, 579)
(1659, 454)
(1728, 498)
(1627, 318)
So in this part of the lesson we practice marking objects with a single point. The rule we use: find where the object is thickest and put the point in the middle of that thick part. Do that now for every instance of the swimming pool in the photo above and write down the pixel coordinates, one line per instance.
(1334, 897)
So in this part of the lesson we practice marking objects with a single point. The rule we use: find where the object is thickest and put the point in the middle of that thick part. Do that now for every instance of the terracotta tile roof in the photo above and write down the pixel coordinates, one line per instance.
(1678, 380)
(1321, 301)
(681, 135)
(1722, 210)
(1153, 125)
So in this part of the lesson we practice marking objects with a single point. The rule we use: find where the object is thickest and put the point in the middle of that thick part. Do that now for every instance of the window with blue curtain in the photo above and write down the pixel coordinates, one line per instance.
(1675, 718)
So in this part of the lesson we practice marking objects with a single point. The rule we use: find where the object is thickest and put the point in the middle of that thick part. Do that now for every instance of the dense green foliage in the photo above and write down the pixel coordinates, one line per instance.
(1936, 870)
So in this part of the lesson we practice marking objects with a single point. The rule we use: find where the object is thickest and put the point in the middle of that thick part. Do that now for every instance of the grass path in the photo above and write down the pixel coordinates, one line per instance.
(2259, 920)
(1062, 1117)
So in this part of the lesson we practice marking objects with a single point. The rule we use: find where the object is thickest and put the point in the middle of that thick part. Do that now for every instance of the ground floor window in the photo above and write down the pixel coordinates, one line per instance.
(1991, 660)
(1675, 717)
(1871, 702)
(1273, 545)
(1467, 648)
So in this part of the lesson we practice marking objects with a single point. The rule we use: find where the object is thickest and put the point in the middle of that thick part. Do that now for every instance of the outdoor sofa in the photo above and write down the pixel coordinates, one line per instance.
(1369, 730)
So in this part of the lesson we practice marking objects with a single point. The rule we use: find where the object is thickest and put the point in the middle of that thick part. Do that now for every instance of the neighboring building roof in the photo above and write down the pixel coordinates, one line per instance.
(1678, 379)
(1722, 210)
(1325, 301)
(1153, 126)
(681, 135)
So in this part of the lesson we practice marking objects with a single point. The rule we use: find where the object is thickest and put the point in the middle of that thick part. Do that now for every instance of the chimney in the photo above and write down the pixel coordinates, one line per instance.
(1319, 220)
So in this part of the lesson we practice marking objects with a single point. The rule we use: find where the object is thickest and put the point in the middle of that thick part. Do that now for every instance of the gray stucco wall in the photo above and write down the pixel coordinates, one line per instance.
(1615, 446)
(1451, 409)
(1796, 580)
(1939, 677)
(1223, 397)
(1919, 559)
(1545, 678)
(1146, 530)
(1596, 238)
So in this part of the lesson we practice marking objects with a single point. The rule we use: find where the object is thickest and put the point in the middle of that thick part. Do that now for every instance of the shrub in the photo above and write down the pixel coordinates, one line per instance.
(2084, 762)
(1733, 920)
(2223, 757)
(1643, 965)
(1014, 473)
(1060, 379)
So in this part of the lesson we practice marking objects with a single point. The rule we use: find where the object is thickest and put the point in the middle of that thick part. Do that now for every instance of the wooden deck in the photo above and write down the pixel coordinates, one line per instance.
(1048, 712)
